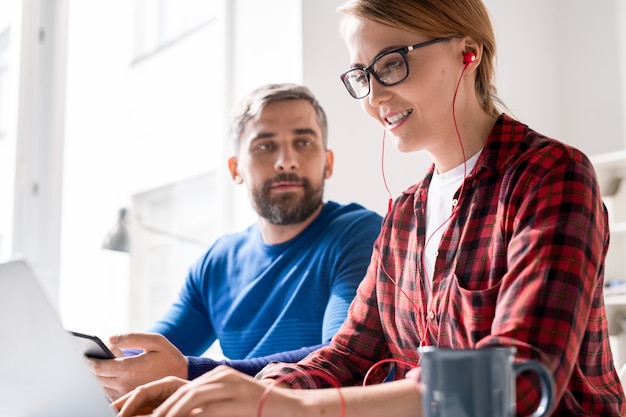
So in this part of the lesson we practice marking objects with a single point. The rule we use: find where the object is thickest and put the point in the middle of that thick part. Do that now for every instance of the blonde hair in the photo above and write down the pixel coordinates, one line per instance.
(440, 19)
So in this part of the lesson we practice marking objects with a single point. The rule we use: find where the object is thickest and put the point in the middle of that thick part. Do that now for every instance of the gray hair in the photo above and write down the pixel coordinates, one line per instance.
(253, 103)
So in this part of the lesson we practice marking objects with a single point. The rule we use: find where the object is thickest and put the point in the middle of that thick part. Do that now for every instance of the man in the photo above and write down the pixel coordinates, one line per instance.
(278, 290)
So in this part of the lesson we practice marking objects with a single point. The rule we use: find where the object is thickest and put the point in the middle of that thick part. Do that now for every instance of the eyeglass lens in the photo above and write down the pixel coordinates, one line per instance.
(388, 69)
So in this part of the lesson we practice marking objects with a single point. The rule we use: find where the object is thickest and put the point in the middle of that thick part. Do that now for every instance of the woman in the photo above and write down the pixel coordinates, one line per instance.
(501, 243)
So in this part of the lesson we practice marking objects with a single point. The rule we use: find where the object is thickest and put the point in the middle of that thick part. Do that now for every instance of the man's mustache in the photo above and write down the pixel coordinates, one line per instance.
(285, 178)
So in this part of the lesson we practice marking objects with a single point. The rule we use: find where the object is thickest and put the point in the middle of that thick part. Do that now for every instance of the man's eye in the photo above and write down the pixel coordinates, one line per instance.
(264, 147)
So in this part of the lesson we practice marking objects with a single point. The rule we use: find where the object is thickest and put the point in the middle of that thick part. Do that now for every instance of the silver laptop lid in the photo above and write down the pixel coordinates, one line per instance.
(42, 372)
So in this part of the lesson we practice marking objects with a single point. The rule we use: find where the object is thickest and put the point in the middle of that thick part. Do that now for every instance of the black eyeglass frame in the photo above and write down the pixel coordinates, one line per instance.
(368, 70)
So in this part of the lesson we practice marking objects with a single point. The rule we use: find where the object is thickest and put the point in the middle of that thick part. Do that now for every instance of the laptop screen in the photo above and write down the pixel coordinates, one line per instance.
(42, 371)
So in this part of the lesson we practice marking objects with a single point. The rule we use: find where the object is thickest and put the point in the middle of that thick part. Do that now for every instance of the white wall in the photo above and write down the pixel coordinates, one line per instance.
(354, 137)
(561, 68)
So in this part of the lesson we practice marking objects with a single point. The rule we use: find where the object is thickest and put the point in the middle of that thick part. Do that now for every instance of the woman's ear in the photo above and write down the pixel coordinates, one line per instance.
(234, 172)
(468, 58)
(472, 52)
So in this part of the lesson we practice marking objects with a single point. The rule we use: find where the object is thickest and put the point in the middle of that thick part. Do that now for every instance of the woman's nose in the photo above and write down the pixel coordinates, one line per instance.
(378, 93)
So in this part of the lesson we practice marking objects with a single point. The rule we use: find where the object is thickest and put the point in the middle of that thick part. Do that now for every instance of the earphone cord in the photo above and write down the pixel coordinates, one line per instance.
(330, 379)
(382, 166)
(455, 208)
(426, 279)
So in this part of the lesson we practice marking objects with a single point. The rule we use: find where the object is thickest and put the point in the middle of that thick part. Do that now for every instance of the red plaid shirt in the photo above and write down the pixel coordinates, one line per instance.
(521, 263)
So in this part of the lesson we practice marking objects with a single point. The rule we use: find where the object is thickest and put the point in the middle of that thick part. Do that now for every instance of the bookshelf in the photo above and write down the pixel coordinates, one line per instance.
(611, 171)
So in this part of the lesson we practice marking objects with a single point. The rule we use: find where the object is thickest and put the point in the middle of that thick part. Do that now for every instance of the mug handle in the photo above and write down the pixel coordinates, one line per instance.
(547, 384)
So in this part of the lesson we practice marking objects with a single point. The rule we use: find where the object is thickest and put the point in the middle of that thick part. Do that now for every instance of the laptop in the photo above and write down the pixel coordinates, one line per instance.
(43, 372)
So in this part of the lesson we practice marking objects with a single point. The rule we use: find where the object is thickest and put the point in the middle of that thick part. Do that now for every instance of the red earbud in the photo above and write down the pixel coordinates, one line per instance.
(468, 58)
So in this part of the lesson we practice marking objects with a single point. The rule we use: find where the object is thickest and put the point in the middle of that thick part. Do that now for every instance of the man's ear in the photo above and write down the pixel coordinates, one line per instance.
(233, 164)
(330, 161)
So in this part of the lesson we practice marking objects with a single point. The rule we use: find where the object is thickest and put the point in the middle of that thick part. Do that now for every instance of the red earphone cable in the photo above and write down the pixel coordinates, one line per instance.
(426, 277)
(458, 135)
(327, 377)
(382, 165)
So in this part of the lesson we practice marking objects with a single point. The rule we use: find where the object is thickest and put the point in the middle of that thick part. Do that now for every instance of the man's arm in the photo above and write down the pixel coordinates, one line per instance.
(200, 365)
(158, 358)
(352, 256)
(186, 324)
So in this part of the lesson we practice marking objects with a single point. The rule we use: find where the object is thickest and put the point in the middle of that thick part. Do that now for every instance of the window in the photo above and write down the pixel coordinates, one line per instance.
(171, 226)
(160, 23)
(4, 70)
(131, 129)
(7, 150)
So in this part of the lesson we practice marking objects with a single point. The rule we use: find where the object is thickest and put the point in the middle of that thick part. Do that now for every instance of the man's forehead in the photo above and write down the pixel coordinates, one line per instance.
(291, 123)
(295, 132)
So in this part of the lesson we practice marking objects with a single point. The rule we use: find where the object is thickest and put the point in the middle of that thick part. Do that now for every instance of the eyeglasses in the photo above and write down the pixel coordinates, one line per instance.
(389, 68)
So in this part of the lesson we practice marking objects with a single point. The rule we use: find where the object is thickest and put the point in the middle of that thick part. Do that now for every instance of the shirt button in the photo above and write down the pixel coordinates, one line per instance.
(436, 253)
(431, 314)
(455, 202)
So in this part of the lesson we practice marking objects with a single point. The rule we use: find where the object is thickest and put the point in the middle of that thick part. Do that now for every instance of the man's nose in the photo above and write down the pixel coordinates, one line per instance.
(286, 161)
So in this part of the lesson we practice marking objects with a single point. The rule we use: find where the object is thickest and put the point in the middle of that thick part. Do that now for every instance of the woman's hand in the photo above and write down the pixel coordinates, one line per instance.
(223, 392)
(144, 399)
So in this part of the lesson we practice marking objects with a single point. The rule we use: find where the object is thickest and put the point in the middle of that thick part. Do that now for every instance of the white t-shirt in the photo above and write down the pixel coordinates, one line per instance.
(439, 207)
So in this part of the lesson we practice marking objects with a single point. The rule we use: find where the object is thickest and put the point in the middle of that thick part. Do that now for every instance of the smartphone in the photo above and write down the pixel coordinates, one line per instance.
(92, 346)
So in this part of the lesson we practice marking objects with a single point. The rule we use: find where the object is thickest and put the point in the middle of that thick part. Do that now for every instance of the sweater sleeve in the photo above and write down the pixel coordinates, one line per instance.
(349, 266)
(187, 324)
(200, 365)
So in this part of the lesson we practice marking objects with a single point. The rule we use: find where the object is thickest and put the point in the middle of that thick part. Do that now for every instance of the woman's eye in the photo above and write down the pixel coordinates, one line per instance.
(360, 78)
(391, 67)
(394, 63)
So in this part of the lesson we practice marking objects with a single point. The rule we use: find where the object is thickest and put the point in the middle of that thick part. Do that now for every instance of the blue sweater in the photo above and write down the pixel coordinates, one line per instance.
(272, 302)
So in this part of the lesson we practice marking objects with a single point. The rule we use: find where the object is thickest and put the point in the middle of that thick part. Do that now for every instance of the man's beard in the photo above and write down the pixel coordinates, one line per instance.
(288, 207)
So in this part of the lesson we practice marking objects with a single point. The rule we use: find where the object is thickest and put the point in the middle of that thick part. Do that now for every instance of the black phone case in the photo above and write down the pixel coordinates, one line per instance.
(93, 347)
